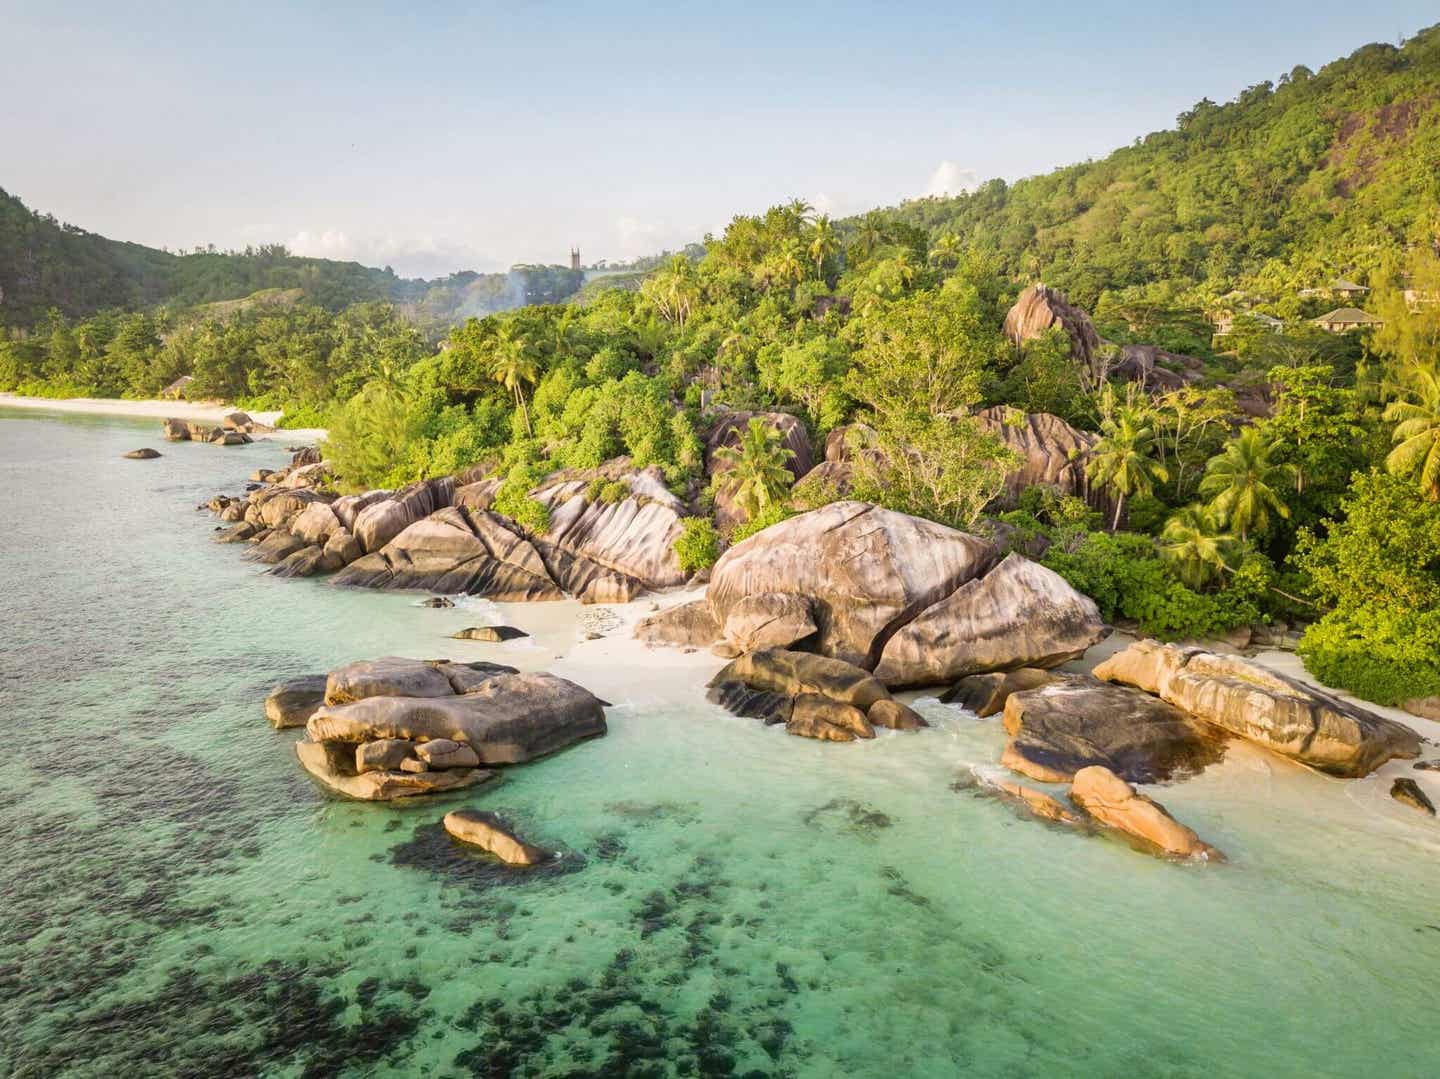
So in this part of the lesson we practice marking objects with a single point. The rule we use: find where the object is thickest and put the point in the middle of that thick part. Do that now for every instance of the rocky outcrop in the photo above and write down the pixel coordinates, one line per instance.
(1019, 614)
(490, 833)
(1039, 309)
(866, 571)
(633, 538)
(1155, 369)
(454, 551)
(986, 694)
(384, 519)
(1078, 721)
(1052, 453)
(814, 696)
(1269, 709)
(1407, 792)
(292, 703)
(505, 719)
(689, 625)
(143, 454)
(1112, 802)
(395, 728)
(173, 430)
(769, 620)
(333, 764)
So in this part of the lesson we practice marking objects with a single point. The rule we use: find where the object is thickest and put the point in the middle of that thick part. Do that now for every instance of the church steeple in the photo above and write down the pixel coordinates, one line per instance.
(574, 258)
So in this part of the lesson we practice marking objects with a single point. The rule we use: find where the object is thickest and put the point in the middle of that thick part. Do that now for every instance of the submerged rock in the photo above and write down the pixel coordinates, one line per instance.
(490, 833)
(292, 703)
(1077, 721)
(437, 602)
(1036, 803)
(491, 634)
(143, 454)
(1408, 792)
(740, 700)
(1111, 801)
(1271, 710)
(1019, 614)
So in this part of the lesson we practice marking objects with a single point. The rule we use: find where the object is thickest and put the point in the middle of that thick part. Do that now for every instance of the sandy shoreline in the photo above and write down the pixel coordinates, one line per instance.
(200, 411)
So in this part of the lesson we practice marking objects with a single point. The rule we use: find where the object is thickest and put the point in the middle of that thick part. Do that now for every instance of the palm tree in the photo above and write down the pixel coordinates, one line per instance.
(870, 234)
(1192, 542)
(800, 210)
(1122, 459)
(673, 290)
(1241, 482)
(512, 365)
(946, 250)
(1417, 432)
(823, 244)
(755, 476)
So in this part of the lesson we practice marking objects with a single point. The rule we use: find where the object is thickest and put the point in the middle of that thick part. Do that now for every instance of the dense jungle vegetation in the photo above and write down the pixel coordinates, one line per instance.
(1291, 473)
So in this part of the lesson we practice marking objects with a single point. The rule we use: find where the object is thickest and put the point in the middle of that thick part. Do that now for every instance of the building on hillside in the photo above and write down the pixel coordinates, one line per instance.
(574, 258)
(177, 389)
(1345, 319)
(1225, 321)
(1339, 289)
(1416, 298)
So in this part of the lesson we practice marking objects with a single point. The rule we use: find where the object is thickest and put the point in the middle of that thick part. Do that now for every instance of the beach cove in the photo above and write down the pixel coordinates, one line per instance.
(180, 897)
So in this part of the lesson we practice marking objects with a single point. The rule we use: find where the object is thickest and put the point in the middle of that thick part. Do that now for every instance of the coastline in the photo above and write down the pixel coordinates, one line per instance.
(201, 411)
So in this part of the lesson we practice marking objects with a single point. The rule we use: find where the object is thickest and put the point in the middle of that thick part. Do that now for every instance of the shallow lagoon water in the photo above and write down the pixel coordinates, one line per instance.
(176, 897)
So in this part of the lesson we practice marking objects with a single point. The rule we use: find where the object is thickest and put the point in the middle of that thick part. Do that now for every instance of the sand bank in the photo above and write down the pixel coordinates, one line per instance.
(201, 411)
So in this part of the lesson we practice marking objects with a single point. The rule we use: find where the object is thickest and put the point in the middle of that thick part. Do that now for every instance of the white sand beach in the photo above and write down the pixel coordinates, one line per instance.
(203, 411)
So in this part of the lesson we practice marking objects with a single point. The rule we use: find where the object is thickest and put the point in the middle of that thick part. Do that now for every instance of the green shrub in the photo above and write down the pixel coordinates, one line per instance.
(771, 515)
(1377, 653)
(613, 491)
(698, 545)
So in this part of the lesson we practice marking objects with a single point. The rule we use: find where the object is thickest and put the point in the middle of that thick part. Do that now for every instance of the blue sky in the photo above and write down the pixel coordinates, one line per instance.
(471, 136)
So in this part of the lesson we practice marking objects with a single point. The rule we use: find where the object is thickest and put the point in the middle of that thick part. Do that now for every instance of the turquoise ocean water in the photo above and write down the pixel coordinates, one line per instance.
(176, 898)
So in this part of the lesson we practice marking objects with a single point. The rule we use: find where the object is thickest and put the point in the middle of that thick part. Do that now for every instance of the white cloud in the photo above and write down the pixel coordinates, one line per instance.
(950, 179)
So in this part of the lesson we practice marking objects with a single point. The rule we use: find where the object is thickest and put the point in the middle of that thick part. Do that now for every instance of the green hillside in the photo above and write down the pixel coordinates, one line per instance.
(1294, 182)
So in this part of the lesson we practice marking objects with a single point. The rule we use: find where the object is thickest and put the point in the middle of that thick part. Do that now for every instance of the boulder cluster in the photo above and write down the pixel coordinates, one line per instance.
(234, 429)
(911, 602)
(392, 728)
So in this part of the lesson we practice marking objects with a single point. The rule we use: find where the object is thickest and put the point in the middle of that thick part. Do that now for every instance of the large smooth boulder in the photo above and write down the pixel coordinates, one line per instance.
(631, 538)
(173, 430)
(769, 620)
(490, 833)
(292, 703)
(446, 753)
(864, 569)
(690, 625)
(815, 716)
(1039, 309)
(143, 454)
(986, 694)
(456, 551)
(1078, 721)
(1019, 614)
(384, 755)
(1052, 453)
(489, 634)
(1111, 801)
(275, 547)
(508, 719)
(389, 676)
(795, 674)
(741, 700)
(1407, 792)
(895, 716)
(1284, 715)
(277, 506)
(379, 522)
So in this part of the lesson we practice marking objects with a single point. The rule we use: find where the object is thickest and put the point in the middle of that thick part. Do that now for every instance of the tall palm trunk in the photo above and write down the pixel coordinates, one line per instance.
(1119, 508)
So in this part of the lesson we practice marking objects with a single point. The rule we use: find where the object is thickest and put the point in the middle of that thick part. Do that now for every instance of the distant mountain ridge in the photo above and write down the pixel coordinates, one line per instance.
(46, 264)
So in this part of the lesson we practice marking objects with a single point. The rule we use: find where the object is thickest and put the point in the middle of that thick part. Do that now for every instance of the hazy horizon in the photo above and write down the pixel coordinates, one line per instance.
(433, 140)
